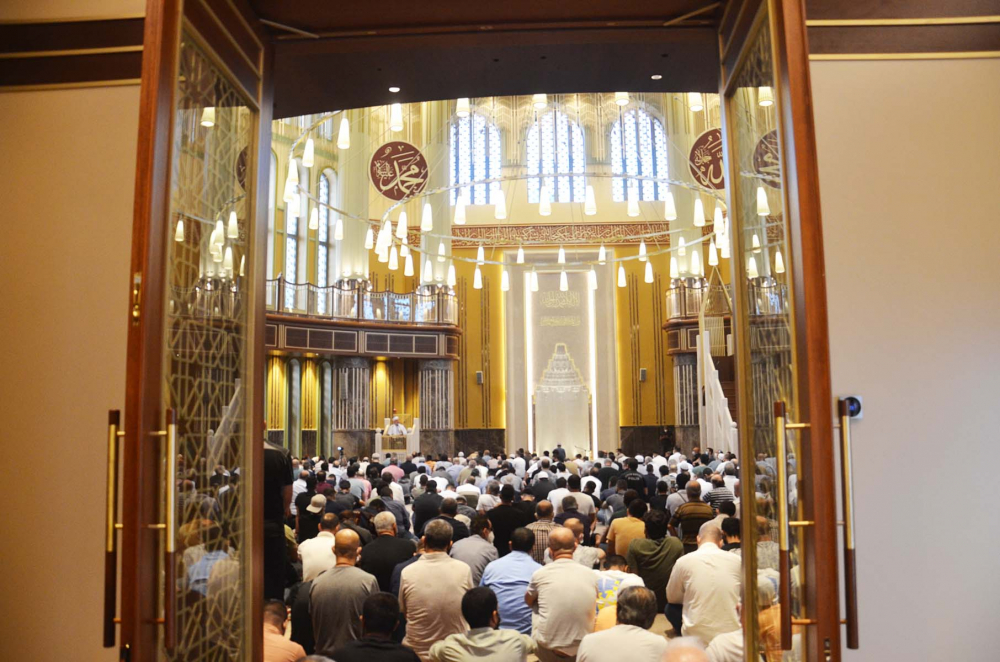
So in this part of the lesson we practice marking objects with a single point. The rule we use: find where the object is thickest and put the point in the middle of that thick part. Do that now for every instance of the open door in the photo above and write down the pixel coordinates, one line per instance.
(190, 568)
(791, 590)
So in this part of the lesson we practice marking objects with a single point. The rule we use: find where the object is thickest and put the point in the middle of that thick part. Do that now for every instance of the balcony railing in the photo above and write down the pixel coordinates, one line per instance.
(360, 304)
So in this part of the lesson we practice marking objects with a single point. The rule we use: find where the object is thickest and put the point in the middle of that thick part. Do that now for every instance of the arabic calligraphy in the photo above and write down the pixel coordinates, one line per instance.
(398, 170)
(560, 299)
(766, 161)
(705, 160)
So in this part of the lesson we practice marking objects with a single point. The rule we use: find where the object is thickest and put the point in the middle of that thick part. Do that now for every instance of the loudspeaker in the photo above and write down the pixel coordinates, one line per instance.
(642, 374)
(479, 376)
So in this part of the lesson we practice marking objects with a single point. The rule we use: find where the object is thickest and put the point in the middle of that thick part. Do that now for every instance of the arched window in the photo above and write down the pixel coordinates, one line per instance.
(296, 222)
(271, 200)
(324, 248)
(640, 150)
(555, 145)
(475, 155)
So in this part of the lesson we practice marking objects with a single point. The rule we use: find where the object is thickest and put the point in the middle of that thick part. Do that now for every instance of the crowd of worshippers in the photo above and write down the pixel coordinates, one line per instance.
(504, 557)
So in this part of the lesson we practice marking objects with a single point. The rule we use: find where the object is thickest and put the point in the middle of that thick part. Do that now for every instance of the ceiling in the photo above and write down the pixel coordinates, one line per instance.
(443, 50)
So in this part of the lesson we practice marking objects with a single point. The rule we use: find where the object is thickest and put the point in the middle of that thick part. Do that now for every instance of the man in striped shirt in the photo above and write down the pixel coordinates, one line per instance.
(541, 527)
(719, 493)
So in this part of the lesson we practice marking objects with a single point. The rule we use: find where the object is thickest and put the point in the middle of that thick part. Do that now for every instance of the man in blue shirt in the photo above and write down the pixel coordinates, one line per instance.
(508, 578)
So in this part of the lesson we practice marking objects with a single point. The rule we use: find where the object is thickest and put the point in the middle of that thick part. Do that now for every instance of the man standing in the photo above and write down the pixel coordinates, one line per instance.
(383, 553)
(563, 596)
(636, 613)
(317, 553)
(277, 508)
(379, 618)
(395, 429)
(707, 583)
(431, 590)
(476, 550)
(690, 516)
(653, 557)
(508, 578)
(337, 596)
(426, 507)
(483, 640)
(559, 453)
(505, 518)
(541, 527)
(678, 498)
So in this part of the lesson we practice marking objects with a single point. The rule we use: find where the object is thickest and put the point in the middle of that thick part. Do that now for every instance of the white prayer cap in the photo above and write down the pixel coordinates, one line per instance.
(686, 466)
(461, 454)
(541, 474)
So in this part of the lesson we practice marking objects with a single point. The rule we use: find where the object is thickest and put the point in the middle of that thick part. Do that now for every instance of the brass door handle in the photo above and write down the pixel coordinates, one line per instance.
(784, 568)
(170, 537)
(847, 494)
(110, 533)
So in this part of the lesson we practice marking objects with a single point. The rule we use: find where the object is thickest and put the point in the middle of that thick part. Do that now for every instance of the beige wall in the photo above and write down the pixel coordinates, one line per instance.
(67, 168)
(909, 156)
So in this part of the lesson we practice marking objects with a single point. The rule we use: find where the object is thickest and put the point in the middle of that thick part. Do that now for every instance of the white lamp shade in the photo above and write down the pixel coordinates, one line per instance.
(427, 275)
(622, 282)
(681, 247)
(713, 253)
(633, 201)
(724, 246)
(452, 278)
(291, 182)
(765, 97)
(755, 243)
(500, 205)
(649, 272)
(208, 117)
(602, 255)
(396, 117)
(408, 265)
(383, 256)
(462, 107)
(717, 218)
(642, 250)
(179, 231)
(590, 202)
(217, 256)
(669, 207)
(243, 265)
(402, 224)
(442, 252)
(344, 135)
(309, 153)
(675, 271)
(393, 258)
(563, 282)
(504, 281)
(313, 219)
(477, 279)
(779, 262)
(404, 249)
(227, 261)
(219, 233)
(427, 218)
(695, 263)
(369, 239)
(480, 254)
(520, 255)
(621, 98)
(699, 213)
(233, 231)
(752, 267)
(539, 101)
(763, 209)
(561, 257)
(695, 101)
(338, 229)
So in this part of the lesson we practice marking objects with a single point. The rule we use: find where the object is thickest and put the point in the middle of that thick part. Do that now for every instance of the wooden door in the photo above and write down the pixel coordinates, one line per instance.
(791, 597)
(190, 571)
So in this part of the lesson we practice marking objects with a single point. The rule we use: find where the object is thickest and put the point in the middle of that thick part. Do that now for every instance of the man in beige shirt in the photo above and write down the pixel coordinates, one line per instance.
(484, 641)
(431, 590)
(276, 647)
(626, 529)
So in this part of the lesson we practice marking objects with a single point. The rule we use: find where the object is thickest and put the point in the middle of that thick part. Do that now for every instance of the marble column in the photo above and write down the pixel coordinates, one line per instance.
(352, 407)
(437, 407)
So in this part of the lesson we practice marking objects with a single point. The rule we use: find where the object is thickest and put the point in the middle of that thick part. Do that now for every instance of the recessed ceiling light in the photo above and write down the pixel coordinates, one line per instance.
(394, 89)
(656, 76)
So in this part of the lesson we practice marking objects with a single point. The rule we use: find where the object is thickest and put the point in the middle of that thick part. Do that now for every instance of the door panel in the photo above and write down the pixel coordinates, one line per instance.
(790, 559)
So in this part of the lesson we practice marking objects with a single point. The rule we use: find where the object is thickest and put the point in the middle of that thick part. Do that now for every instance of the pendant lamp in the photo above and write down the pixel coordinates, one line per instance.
(309, 153)
(344, 135)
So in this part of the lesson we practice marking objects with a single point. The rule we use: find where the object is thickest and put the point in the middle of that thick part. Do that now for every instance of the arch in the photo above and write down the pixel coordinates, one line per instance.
(638, 147)
(555, 143)
(475, 155)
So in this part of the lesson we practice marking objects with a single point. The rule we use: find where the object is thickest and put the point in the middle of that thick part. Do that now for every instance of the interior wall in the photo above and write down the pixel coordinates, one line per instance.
(67, 172)
(909, 156)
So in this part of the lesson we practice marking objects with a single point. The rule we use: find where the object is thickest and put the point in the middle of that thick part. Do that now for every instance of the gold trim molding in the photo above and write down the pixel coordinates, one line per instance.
(961, 55)
(556, 233)
(877, 22)
(70, 52)
(70, 86)
(71, 19)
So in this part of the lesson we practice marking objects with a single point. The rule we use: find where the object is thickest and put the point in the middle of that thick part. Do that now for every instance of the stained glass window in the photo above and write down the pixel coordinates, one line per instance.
(555, 145)
(475, 155)
(640, 150)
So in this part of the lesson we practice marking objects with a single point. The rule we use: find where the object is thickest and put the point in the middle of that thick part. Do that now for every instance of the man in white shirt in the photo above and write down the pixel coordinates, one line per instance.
(395, 429)
(556, 495)
(317, 553)
(636, 613)
(563, 597)
(519, 464)
(298, 487)
(706, 583)
(678, 498)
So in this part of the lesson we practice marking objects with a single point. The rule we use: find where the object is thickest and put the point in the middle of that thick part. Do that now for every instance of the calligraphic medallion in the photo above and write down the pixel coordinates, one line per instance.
(766, 161)
(398, 170)
(705, 160)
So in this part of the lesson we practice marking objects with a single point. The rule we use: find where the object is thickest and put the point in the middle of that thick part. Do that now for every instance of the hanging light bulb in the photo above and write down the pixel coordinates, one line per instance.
(695, 264)
(563, 281)
(642, 250)
(477, 279)
(500, 206)
(208, 117)
(313, 219)
(717, 218)
(217, 255)
(396, 117)
(233, 231)
(462, 107)
(427, 275)
(480, 255)
(338, 229)
(291, 182)
(369, 239)
(243, 265)
(621, 98)
(724, 246)
(534, 280)
(590, 202)
(427, 218)
(460, 209)
(561, 258)
(520, 255)
(402, 225)
(622, 282)
(383, 255)
(309, 153)
(384, 239)
(227, 261)
(602, 255)
(393, 258)
(695, 101)
(408, 265)
(649, 272)
(669, 208)
(215, 250)
(544, 204)
(539, 101)
(344, 135)
(404, 249)
(452, 279)
(763, 209)
(592, 278)
(699, 213)
(219, 234)
(752, 267)
(765, 97)
(442, 252)
(713, 254)
(755, 244)
(675, 271)
(179, 232)
(779, 262)
(681, 247)
(504, 280)
(633, 200)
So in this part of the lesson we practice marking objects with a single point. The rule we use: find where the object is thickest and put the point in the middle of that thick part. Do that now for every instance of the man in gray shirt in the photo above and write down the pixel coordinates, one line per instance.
(338, 595)
(477, 550)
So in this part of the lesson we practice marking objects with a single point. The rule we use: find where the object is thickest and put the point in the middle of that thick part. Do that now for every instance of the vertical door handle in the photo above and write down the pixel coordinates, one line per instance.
(110, 533)
(847, 494)
(784, 569)
(170, 537)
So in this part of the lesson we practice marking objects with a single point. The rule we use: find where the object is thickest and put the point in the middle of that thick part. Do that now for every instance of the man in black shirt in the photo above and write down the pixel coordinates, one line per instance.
(633, 479)
(449, 508)
(607, 474)
(651, 480)
(505, 518)
(559, 453)
(277, 506)
(542, 486)
(379, 617)
(382, 555)
(408, 467)
(731, 531)
(304, 498)
(659, 500)
(426, 507)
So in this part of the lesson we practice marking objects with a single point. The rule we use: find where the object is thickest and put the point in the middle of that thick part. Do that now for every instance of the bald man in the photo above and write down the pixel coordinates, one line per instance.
(563, 598)
(338, 596)
(685, 649)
